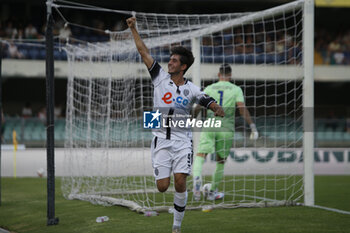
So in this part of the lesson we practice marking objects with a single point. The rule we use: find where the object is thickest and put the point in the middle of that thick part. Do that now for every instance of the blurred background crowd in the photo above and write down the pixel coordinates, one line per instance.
(332, 47)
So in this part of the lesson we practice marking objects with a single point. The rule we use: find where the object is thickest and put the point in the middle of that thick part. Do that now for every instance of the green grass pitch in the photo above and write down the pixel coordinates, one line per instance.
(23, 209)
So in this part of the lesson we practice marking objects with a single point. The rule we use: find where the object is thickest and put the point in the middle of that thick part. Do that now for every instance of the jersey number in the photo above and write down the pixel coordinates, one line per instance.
(221, 95)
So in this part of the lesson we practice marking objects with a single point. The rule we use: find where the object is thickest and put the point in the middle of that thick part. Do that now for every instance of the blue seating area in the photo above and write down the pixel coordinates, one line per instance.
(217, 54)
(38, 52)
(209, 54)
(93, 38)
(29, 130)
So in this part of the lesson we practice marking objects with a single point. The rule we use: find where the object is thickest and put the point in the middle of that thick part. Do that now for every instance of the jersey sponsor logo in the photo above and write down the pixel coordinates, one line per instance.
(151, 119)
(168, 99)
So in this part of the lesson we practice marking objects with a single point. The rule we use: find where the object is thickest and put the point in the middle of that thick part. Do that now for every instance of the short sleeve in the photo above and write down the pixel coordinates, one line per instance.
(157, 73)
(239, 95)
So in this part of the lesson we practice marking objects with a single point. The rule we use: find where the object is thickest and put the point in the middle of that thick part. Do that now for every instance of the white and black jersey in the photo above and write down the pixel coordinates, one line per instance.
(174, 102)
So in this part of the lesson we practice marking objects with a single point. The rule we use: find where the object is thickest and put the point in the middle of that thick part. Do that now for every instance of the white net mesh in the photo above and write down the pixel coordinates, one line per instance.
(107, 158)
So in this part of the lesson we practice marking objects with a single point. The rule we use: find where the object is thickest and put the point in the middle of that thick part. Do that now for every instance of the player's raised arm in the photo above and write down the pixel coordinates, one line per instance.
(141, 47)
(246, 115)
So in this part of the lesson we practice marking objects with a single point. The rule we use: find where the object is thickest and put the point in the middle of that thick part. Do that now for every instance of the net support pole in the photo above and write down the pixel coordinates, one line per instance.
(308, 102)
(196, 79)
(50, 140)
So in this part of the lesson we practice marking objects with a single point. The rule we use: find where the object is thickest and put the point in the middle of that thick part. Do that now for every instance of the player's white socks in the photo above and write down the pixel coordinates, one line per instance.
(180, 201)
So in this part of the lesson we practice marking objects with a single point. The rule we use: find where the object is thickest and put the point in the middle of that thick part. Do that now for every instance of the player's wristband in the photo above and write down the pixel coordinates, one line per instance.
(206, 100)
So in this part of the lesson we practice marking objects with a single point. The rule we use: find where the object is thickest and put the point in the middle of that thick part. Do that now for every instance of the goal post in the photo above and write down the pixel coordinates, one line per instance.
(196, 79)
(50, 143)
(308, 90)
(107, 152)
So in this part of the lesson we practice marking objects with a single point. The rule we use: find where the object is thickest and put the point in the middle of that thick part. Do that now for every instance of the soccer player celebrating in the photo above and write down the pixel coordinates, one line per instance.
(173, 94)
(228, 96)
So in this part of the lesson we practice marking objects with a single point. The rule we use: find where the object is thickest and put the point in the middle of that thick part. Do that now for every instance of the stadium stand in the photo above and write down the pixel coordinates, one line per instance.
(332, 47)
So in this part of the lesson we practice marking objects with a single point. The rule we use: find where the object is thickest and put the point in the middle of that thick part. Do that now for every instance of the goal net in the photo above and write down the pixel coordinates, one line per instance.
(107, 150)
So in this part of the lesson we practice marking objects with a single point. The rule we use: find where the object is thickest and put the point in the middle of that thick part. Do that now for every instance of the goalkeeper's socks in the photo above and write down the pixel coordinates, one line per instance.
(217, 176)
(180, 201)
(197, 166)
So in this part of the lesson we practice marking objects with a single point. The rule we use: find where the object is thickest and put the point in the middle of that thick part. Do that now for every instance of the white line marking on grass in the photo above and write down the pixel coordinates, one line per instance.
(331, 209)
(3, 231)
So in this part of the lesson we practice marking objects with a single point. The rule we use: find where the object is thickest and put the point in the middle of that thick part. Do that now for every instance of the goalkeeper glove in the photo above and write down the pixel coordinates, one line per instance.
(254, 134)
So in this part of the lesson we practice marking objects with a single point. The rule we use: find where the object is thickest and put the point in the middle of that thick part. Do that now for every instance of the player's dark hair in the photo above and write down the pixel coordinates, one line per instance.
(186, 56)
(225, 69)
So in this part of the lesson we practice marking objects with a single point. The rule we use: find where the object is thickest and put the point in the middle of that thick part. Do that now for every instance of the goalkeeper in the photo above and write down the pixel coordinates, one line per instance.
(229, 96)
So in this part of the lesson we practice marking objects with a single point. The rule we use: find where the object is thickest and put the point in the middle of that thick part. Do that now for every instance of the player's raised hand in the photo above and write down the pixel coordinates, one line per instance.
(131, 22)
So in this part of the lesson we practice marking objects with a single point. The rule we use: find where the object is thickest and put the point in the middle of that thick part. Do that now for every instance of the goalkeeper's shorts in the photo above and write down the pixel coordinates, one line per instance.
(219, 142)
(171, 155)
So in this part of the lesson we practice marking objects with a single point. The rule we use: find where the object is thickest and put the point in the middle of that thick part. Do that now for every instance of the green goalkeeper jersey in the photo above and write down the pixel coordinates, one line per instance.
(226, 95)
